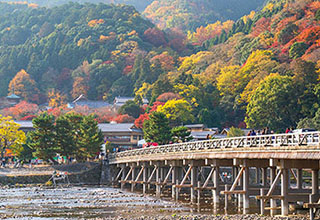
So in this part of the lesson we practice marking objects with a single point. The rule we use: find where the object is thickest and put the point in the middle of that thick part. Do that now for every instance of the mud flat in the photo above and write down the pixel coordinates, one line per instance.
(88, 202)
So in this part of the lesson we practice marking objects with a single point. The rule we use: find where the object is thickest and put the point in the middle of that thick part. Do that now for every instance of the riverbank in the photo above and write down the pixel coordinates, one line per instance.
(78, 173)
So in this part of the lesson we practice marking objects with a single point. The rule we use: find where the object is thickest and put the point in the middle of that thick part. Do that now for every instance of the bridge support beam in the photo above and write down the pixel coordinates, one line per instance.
(284, 192)
(246, 202)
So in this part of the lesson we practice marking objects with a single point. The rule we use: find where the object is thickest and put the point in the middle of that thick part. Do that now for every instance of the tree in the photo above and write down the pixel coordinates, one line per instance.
(20, 110)
(235, 132)
(181, 134)
(10, 135)
(43, 137)
(157, 129)
(22, 85)
(64, 138)
(273, 104)
(56, 99)
(91, 138)
(26, 152)
(297, 50)
(131, 108)
(177, 111)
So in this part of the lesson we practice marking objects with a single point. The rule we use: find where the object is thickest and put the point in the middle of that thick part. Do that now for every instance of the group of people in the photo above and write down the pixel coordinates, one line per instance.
(264, 131)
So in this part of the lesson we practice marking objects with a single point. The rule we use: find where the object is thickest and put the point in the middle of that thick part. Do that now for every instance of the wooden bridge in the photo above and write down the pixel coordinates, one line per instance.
(277, 170)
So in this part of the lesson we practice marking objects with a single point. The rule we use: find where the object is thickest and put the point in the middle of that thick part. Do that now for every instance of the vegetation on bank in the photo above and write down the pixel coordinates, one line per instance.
(259, 71)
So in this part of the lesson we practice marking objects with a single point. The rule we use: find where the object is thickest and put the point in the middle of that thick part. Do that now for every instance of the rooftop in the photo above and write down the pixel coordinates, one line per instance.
(121, 127)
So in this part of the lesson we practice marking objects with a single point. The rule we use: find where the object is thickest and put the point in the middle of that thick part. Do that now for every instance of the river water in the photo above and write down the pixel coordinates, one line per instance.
(82, 203)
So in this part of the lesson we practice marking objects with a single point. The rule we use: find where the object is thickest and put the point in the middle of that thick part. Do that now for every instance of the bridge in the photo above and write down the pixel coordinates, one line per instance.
(276, 170)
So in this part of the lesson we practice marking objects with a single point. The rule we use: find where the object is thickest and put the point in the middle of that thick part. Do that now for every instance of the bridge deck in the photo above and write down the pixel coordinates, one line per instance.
(276, 146)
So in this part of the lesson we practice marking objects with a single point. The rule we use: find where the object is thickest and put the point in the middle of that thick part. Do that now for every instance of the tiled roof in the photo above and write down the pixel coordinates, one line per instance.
(25, 124)
(121, 127)
(122, 100)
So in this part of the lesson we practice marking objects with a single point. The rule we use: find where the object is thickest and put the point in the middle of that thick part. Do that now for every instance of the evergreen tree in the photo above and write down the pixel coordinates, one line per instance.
(157, 128)
(91, 138)
(43, 137)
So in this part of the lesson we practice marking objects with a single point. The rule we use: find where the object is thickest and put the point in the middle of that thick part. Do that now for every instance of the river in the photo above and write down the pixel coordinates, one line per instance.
(81, 203)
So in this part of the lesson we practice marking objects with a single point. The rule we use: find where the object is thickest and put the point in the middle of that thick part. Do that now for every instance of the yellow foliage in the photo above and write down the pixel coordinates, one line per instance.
(144, 90)
(177, 110)
(268, 7)
(10, 135)
(80, 42)
(189, 92)
(56, 99)
(227, 80)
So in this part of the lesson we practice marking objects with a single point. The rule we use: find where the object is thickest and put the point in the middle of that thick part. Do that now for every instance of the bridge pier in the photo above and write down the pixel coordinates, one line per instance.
(250, 163)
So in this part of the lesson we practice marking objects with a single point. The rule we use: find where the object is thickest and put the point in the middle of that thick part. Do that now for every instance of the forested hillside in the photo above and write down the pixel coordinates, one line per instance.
(140, 5)
(190, 14)
(264, 67)
(261, 70)
(73, 48)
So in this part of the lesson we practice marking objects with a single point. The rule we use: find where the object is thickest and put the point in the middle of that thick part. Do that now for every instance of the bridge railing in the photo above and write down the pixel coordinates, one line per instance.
(237, 143)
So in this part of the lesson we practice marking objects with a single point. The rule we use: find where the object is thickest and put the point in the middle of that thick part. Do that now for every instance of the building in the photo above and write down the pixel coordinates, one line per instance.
(119, 101)
(25, 126)
(124, 135)
(200, 132)
(83, 101)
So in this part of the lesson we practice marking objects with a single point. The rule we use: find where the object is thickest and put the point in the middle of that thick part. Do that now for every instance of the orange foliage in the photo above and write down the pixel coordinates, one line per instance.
(21, 110)
(164, 97)
(139, 121)
(95, 22)
(124, 119)
(166, 61)
(22, 85)
(212, 30)
(262, 25)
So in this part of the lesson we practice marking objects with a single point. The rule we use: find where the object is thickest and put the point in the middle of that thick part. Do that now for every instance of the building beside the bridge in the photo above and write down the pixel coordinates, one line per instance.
(124, 135)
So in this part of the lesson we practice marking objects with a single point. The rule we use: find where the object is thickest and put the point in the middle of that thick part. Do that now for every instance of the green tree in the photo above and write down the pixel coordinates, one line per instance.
(157, 128)
(65, 140)
(26, 152)
(177, 111)
(181, 134)
(273, 104)
(10, 135)
(235, 132)
(91, 138)
(297, 50)
(43, 137)
(131, 108)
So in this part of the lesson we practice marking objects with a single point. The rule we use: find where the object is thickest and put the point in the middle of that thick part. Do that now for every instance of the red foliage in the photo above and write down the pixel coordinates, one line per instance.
(309, 35)
(107, 62)
(139, 121)
(28, 118)
(155, 36)
(124, 119)
(155, 106)
(166, 61)
(164, 97)
(56, 112)
(262, 25)
(21, 110)
(177, 44)
(127, 69)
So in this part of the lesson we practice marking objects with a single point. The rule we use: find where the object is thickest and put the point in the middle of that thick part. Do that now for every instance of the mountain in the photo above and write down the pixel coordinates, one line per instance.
(190, 14)
(140, 5)
(50, 43)
(246, 60)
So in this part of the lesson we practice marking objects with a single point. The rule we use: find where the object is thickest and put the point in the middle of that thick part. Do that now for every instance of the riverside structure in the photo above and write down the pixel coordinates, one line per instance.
(273, 169)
